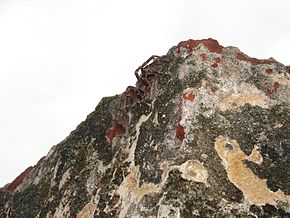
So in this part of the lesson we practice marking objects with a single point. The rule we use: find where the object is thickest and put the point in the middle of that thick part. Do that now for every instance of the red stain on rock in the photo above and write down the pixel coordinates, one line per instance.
(179, 130)
(180, 133)
(216, 62)
(189, 96)
(253, 61)
(202, 56)
(19, 179)
(211, 44)
(116, 130)
(288, 68)
(269, 71)
(274, 89)
(213, 89)
(214, 65)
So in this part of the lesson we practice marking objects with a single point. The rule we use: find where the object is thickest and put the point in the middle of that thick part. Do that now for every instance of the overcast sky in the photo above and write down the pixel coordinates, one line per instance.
(58, 58)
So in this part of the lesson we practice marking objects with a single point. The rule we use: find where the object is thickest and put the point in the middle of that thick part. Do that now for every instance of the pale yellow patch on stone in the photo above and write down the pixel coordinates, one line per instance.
(234, 101)
(64, 179)
(131, 149)
(130, 192)
(282, 79)
(49, 215)
(255, 157)
(193, 170)
(243, 94)
(87, 211)
(132, 183)
(255, 189)
(62, 210)
(155, 119)
(164, 166)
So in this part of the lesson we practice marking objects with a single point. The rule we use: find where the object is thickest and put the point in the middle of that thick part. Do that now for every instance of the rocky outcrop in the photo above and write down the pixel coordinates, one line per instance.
(204, 133)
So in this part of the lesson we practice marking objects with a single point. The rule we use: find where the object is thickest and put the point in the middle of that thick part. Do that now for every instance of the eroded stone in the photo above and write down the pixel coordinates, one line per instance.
(205, 136)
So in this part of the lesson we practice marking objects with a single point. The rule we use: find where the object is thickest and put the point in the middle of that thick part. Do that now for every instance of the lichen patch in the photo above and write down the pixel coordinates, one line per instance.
(193, 170)
(281, 78)
(131, 150)
(254, 189)
(255, 157)
(244, 94)
(64, 178)
(63, 209)
(131, 193)
(187, 113)
(87, 211)
(280, 86)
(131, 183)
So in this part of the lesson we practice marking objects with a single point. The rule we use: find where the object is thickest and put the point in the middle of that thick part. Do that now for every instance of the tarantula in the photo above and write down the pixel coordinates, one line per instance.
(137, 94)
(143, 80)
(133, 95)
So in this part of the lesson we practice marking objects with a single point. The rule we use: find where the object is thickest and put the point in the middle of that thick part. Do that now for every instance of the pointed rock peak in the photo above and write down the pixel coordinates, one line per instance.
(204, 132)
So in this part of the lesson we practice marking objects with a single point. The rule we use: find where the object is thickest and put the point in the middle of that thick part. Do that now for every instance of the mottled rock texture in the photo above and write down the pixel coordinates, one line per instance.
(205, 133)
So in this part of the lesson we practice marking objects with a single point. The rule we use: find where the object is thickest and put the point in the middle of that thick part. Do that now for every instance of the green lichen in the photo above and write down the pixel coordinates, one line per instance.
(27, 203)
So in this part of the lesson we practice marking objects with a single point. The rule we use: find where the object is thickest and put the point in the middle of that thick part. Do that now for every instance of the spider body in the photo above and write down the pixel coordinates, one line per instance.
(148, 69)
(148, 72)
(133, 95)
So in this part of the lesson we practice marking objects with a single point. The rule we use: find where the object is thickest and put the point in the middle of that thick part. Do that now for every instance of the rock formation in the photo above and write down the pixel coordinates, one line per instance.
(204, 133)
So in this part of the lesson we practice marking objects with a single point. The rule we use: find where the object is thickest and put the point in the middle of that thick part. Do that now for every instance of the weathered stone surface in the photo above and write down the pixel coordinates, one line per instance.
(205, 133)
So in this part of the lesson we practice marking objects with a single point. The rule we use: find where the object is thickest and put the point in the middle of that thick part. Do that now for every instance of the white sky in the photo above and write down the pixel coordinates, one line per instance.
(59, 57)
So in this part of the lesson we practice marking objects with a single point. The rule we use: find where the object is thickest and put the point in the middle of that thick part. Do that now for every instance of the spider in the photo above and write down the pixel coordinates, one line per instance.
(146, 73)
(133, 95)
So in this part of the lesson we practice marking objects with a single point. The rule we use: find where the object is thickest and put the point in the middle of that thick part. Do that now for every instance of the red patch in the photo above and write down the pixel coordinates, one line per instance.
(217, 60)
(274, 89)
(211, 44)
(19, 179)
(214, 65)
(253, 61)
(189, 96)
(269, 71)
(180, 134)
(288, 68)
(203, 57)
(213, 89)
(116, 130)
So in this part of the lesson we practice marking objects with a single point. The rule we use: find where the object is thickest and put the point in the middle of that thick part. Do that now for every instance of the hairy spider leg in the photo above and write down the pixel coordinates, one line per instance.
(142, 79)
(145, 64)
(140, 94)
(149, 59)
